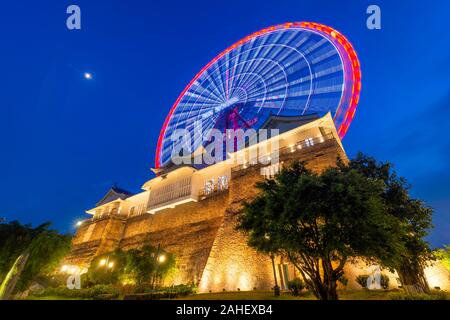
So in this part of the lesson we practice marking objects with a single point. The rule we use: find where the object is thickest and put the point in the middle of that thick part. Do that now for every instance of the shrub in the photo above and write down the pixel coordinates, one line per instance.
(362, 280)
(147, 293)
(343, 280)
(296, 286)
(434, 295)
(384, 281)
(95, 292)
(135, 266)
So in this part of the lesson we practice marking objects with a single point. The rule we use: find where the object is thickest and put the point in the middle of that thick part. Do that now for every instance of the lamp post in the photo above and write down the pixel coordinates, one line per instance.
(106, 263)
(159, 258)
(276, 289)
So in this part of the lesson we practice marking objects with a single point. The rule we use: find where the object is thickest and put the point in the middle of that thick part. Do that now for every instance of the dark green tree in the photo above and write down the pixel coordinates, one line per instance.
(320, 221)
(138, 266)
(43, 247)
(414, 216)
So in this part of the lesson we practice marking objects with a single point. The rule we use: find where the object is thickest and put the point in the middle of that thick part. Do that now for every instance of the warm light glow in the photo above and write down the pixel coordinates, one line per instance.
(64, 268)
(161, 258)
(102, 262)
(111, 264)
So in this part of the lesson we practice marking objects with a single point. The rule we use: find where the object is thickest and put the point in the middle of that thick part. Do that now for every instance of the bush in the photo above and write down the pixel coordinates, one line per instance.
(434, 295)
(362, 280)
(343, 280)
(296, 286)
(384, 281)
(95, 292)
(147, 293)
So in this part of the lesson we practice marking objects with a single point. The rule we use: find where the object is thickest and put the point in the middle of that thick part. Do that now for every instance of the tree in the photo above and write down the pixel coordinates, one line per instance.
(444, 256)
(413, 214)
(42, 247)
(134, 266)
(320, 221)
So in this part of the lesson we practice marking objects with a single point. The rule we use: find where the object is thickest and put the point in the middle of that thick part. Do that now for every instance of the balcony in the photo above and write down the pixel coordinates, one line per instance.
(303, 147)
(171, 195)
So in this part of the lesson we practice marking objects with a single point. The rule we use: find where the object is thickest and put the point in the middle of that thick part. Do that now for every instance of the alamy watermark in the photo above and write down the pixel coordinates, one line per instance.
(74, 282)
(198, 147)
(374, 20)
(73, 21)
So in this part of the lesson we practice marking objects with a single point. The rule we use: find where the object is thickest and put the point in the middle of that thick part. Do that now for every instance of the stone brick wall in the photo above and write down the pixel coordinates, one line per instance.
(187, 230)
(95, 237)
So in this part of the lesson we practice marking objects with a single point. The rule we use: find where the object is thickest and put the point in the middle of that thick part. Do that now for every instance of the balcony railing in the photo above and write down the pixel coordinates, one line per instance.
(303, 146)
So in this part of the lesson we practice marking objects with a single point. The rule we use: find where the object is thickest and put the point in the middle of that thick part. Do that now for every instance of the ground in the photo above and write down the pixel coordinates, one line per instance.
(268, 295)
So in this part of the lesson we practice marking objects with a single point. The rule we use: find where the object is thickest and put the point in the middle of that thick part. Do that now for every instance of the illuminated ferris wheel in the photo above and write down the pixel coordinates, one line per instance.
(289, 70)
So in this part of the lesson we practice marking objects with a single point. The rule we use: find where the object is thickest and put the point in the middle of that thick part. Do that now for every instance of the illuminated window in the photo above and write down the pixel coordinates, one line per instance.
(209, 186)
(270, 171)
(222, 183)
(309, 142)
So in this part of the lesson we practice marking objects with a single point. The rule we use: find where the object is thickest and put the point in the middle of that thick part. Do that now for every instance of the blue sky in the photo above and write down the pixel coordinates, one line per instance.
(64, 140)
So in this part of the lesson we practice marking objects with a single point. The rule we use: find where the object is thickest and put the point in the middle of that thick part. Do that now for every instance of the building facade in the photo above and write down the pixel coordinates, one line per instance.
(193, 213)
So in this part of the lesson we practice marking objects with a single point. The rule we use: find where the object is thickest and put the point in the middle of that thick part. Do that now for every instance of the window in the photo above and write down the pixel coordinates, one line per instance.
(209, 186)
(270, 171)
(132, 210)
(309, 142)
(222, 183)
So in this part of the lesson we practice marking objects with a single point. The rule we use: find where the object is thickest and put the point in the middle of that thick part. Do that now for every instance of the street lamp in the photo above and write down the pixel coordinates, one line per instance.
(276, 288)
(106, 263)
(102, 262)
(161, 258)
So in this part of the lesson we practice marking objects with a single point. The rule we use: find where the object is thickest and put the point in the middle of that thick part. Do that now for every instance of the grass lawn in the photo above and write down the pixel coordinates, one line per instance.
(52, 298)
(268, 295)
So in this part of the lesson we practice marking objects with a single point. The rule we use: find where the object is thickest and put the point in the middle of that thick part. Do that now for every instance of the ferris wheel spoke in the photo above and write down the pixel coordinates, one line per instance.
(280, 70)
(216, 87)
(238, 79)
(200, 97)
(255, 52)
(237, 63)
(243, 81)
(247, 61)
(268, 63)
(324, 56)
(200, 88)
(270, 87)
(258, 61)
